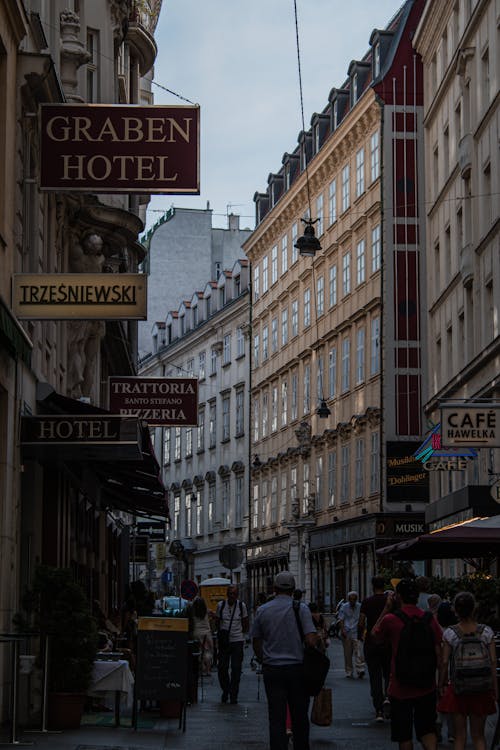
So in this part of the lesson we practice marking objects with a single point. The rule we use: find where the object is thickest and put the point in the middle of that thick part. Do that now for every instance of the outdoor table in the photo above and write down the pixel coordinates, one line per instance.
(113, 675)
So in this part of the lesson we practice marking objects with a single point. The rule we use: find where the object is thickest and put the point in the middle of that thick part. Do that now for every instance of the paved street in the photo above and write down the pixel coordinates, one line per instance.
(214, 726)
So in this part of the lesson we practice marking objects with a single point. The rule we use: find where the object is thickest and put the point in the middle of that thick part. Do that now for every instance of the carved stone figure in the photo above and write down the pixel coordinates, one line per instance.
(87, 256)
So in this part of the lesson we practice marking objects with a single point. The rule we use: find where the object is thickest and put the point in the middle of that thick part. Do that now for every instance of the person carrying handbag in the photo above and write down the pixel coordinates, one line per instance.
(232, 622)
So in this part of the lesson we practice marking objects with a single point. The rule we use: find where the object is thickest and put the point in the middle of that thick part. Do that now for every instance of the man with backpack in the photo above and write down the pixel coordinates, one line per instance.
(231, 622)
(415, 640)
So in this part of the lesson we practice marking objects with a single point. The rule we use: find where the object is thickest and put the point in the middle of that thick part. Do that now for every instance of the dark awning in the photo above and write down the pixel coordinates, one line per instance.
(13, 337)
(134, 486)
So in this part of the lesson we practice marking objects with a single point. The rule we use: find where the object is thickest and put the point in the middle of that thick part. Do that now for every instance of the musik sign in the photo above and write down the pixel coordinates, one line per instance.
(120, 148)
(80, 296)
(157, 401)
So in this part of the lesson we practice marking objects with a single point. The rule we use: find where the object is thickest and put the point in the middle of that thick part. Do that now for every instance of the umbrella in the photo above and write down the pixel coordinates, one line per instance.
(479, 538)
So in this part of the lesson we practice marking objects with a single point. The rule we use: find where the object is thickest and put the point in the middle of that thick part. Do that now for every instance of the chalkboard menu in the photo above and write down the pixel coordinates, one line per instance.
(162, 658)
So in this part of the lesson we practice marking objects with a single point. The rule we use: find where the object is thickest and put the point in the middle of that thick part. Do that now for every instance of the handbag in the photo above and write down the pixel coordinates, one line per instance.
(321, 713)
(315, 664)
(223, 635)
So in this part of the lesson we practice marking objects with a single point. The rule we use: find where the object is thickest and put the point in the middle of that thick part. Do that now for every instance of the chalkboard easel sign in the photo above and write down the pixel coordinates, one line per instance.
(162, 658)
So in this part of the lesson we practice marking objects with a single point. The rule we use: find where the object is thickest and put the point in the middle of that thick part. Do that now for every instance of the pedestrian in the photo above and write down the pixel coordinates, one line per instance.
(201, 632)
(415, 640)
(277, 644)
(423, 586)
(349, 618)
(232, 623)
(377, 655)
(319, 622)
(469, 658)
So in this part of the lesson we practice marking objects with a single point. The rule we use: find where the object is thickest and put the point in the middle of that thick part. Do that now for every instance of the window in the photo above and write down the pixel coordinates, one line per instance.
(200, 434)
(265, 277)
(177, 515)
(238, 500)
(293, 490)
(93, 48)
(375, 347)
(307, 308)
(177, 444)
(376, 254)
(274, 265)
(332, 372)
(190, 368)
(256, 420)
(263, 504)
(332, 286)
(345, 188)
(319, 215)
(256, 282)
(240, 342)
(346, 274)
(213, 362)
(360, 262)
(225, 503)
(283, 498)
(295, 252)
(295, 383)
(359, 478)
(485, 78)
(212, 426)
(226, 351)
(225, 417)
(187, 518)
(240, 412)
(332, 477)
(346, 351)
(354, 88)
(255, 507)
(332, 201)
(374, 156)
(319, 482)
(376, 60)
(295, 318)
(284, 326)
(274, 500)
(256, 347)
(265, 343)
(307, 389)
(274, 335)
(265, 413)
(189, 441)
(199, 512)
(305, 488)
(320, 296)
(166, 446)
(374, 463)
(211, 507)
(284, 254)
(360, 356)
(360, 172)
(344, 475)
(201, 365)
(274, 408)
(319, 379)
(284, 403)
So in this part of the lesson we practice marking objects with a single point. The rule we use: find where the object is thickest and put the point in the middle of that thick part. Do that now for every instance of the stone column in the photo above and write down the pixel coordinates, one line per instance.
(73, 54)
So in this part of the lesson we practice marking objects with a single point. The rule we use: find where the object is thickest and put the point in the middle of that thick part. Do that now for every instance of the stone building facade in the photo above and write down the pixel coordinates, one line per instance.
(338, 364)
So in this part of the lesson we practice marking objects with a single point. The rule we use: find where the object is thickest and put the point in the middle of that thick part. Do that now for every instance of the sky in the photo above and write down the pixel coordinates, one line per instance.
(237, 59)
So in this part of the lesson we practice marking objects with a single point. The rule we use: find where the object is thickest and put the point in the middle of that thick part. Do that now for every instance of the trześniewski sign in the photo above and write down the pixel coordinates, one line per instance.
(120, 148)
(157, 401)
(80, 296)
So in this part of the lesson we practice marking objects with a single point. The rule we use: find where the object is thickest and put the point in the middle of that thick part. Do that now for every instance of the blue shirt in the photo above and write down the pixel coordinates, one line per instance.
(275, 623)
(350, 617)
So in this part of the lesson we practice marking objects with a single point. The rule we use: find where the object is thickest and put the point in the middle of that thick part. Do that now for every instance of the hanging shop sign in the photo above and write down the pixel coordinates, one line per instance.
(407, 481)
(79, 296)
(476, 425)
(82, 437)
(157, 401)
(120, 149)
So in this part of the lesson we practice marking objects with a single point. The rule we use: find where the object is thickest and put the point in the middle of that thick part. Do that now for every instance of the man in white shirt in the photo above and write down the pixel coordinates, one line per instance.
(231, 617)
(349, 617)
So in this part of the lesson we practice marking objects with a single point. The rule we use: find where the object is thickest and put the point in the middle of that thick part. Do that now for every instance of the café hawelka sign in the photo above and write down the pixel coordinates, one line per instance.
(79, 296)
(476, 425)
(120, 148)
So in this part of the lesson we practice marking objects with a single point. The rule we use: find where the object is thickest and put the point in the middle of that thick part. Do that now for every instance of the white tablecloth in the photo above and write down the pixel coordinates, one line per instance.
(109, 676)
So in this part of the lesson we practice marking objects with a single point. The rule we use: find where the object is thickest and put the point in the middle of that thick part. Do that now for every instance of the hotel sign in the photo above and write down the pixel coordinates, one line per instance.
(77, 296)
(157, 401)
(474, 425)
(120, 148)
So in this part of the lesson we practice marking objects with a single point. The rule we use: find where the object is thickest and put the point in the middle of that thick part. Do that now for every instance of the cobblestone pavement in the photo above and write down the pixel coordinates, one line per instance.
(211, 725)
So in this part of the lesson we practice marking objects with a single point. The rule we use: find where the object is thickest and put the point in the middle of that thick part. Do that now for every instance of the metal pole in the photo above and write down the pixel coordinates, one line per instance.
(13, 696)
(45, 693)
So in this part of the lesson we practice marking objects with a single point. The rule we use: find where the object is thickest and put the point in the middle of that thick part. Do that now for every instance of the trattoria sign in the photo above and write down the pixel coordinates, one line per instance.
(476, 425)
(77, 296)
(157, 401)
(120, 148)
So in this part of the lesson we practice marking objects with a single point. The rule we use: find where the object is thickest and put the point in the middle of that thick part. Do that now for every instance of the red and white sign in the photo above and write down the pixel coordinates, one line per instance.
(120, 148)
(157, 401)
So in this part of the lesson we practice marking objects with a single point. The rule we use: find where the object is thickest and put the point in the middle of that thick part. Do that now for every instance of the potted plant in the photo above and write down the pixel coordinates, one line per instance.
(57, 607)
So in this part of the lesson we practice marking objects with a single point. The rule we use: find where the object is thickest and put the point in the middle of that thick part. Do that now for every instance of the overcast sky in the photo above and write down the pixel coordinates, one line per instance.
(238, 60)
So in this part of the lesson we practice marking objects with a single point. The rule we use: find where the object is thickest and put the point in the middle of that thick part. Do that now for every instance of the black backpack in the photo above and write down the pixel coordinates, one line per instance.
(415, 663)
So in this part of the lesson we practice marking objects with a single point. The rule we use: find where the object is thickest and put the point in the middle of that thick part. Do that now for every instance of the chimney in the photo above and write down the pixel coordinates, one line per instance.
(234, 222)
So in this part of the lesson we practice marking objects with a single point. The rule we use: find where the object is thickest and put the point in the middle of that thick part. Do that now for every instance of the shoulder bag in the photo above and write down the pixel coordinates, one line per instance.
(223, 635)
(316, 664)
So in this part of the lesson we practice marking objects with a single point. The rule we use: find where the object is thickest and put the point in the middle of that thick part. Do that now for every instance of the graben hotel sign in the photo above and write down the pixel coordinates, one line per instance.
(120, 148)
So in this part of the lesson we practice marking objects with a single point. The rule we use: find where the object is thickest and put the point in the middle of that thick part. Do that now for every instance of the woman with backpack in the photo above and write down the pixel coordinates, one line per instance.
(467, 679)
